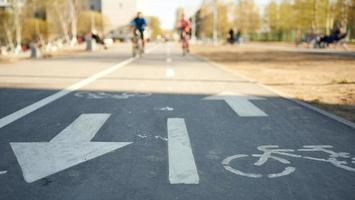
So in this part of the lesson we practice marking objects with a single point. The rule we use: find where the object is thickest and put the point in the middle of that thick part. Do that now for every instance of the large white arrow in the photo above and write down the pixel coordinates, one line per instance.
(240, 104)
(69, 148)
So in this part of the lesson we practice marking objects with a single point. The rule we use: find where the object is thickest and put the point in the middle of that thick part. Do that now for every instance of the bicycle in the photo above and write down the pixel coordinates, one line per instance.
(185, 43)
(137, 47)
(274, 152)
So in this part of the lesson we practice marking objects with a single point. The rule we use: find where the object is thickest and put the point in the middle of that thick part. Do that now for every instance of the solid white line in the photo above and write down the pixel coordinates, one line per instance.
(182, 167)
(43, 102)
(39, 104)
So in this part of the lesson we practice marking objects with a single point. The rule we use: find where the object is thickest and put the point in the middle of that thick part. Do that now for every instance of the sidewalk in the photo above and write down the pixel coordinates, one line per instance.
(64, 51)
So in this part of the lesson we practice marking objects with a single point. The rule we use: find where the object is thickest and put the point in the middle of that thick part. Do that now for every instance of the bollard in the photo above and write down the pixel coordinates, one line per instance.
(90, 43)
(35, 53)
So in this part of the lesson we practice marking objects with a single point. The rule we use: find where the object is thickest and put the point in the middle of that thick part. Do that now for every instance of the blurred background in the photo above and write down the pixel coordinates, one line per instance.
(56, 23)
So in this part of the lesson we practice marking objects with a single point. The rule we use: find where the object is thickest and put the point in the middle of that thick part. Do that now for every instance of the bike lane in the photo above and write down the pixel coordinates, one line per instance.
(141, 169)
(29, 81)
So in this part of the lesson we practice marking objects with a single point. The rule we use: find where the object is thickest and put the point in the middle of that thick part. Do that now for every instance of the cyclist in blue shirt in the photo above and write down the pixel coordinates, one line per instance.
(139, 24)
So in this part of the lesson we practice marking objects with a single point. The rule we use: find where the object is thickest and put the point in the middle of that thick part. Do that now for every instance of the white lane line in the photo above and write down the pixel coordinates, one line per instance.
(39, 104)
(182, 167)
(168, 49)
(169, 73)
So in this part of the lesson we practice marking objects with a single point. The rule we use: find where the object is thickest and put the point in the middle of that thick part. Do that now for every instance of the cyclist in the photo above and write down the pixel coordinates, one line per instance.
(184, 26)
(139, 23)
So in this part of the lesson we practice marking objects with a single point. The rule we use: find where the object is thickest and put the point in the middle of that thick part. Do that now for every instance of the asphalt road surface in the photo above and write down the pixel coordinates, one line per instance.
(105, 126)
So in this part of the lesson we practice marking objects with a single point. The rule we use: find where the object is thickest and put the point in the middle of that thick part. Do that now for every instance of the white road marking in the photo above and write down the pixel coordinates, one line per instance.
(104, 95)
(182, 167)
(43, 102)
(3, 172)
(168, 49)
(70, 147)
(166, 109)
(285, 172)
(240, 104)
(226, 164)
(142, 136)
(170, 73)
(83, 129)
(158, 137)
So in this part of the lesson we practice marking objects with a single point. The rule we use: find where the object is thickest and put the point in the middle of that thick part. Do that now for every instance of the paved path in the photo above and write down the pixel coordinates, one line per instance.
(105, 126)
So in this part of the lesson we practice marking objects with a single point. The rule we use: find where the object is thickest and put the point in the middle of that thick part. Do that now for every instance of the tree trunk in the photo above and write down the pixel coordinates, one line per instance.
(63, 24)
(17, 26)
(73, 4)
(9, 37)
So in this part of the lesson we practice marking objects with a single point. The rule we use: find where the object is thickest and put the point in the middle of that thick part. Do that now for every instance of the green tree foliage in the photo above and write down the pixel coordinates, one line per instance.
(6, 24)
(34, 29)
(289, 17)
(247, 17)
(59, 18)
(34, 22)
(352, 19)
(224, 23)
(272, 15)
(242, 15)
(154, 26)
(179, 12)
(204, 22)
(52, 19)
(90, 20)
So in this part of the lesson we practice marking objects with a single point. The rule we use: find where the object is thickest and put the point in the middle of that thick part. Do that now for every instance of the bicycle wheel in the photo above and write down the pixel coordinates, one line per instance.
(134, 50)
(227, 165)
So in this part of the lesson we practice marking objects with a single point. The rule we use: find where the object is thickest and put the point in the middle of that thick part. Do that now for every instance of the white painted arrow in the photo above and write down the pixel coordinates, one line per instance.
(240, 104)
(69, 148)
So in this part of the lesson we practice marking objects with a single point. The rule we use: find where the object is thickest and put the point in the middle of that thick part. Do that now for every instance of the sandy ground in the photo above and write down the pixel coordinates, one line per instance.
(325, 80)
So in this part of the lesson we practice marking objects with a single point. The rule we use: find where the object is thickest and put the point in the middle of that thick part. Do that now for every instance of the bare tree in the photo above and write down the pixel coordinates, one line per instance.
(17, 10)
(60, 8)
(6, 21)
(74, 13)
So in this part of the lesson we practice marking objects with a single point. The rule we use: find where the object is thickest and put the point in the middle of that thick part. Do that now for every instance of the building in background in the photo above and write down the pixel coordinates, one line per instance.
(118, 13)
(4, 3)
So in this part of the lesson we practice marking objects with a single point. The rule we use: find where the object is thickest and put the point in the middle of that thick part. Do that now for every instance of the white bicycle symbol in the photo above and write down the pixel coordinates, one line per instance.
(104, 95)
(338, 159)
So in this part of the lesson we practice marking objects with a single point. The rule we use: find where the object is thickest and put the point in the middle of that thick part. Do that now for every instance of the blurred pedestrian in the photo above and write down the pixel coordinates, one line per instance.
(238, 37)
(231, 37)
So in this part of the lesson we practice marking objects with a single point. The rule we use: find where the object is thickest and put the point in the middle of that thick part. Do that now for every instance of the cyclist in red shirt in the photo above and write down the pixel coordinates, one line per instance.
(184, 26)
